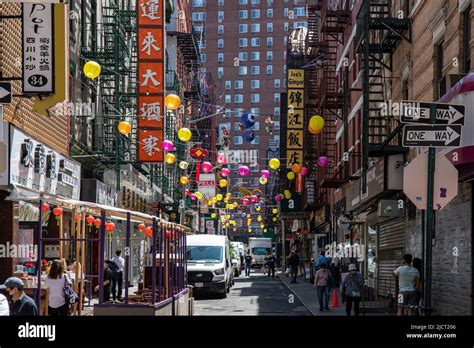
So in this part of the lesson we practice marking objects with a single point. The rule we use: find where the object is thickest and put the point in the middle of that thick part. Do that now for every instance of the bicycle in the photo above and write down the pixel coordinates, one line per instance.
(421, 311)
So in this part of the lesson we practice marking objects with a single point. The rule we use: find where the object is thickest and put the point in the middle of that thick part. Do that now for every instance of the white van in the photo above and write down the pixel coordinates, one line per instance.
(237, 259)
(209, 264)
(259, 247)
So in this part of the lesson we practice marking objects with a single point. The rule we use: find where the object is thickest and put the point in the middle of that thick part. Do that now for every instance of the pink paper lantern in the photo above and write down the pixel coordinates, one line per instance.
(187, 192)
(225, 172)
(221, 158)
(193, 197)
(265, 174)
(278, 198)
(206, 167)
(167, 145)
(323, 161)
(304, 171)
(254, 198)
(245, 201)
(244, 170)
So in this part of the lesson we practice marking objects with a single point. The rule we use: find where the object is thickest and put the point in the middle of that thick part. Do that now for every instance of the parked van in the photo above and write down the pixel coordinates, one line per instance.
(209, 264)
(259, 247)
(237, 259)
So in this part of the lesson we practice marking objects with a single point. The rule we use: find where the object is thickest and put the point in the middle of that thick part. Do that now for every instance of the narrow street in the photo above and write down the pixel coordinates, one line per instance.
(254, 295)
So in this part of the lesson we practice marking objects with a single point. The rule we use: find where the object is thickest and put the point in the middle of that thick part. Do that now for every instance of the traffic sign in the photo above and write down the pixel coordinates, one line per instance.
(432, 135)
(419, 112)
(5, 92)
(415, 184)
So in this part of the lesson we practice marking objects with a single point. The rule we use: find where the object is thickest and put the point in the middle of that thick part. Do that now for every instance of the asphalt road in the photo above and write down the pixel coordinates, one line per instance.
(254, 295)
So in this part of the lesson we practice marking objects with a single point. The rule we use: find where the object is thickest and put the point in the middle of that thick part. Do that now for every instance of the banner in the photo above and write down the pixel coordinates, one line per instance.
(295, 118)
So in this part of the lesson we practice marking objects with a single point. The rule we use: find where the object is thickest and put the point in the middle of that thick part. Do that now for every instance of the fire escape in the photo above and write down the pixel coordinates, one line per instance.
(376, 38)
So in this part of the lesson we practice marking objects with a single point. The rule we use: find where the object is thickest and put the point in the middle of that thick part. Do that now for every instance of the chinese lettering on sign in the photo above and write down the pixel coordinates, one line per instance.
(151, 79)
(38, 55)
(295, 118)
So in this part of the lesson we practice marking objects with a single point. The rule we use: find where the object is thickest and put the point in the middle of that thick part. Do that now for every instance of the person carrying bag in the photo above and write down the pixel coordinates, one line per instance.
(351, 286)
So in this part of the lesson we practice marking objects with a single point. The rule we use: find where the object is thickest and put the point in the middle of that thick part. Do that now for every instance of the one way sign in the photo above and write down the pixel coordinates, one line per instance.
(5, 92)
(419, 112)
(432, 135)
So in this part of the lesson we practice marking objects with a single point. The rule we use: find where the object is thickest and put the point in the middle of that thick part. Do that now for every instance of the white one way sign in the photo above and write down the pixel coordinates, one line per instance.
(419, 112)
(432, 135)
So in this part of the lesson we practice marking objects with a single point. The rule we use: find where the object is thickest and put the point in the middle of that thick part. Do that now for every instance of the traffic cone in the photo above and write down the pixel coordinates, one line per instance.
(335, 302)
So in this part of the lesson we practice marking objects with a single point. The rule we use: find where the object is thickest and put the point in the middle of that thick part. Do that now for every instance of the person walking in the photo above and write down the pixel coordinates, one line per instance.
(408, 283)
(4, 306)
(294, 263)
(55, 282)
(108, 276)
(322, 259)
(351, 287)
(23, 305)
(270, 261)
(248, 264)
(321, 282)
(117, 280)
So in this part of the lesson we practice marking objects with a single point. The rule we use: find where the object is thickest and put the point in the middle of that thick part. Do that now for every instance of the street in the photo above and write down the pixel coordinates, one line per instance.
(254, 295)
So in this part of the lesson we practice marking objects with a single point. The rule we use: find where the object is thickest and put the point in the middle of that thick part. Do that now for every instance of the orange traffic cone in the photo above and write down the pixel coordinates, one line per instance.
(335, 302)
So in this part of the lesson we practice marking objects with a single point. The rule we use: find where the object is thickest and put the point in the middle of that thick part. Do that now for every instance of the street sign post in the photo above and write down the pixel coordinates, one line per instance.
(432, 135)
(419, 112)
(5, 93)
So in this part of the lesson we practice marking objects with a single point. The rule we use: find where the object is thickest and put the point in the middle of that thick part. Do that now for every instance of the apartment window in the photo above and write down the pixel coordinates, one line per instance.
(276, 125)
(285, 12)
(238, 84)
(276, 111)
(242, 70)
(255, 111)
(269, 69)
(238, 140)
(269, 2)
(276, 139)
(243, 2)
(255, 70)
(255, 98)
(440, 80)
(228, 99)
(255, 13)
(228, 112)
(220, 72)
(255, 2)
(199, 16)
(276, 97)
(220, 43)
(243, 14)
(220, 29)
(243, 42)
(255, 42)
(269, 41)
(467, 39)
(220, 2)
(228, 85)
(297, 25)
(199, 28)
(255, 84)
(255, 56)
(285, 26)
(270, 27)
(220, 16)
(199, 3)
(285, 40)
(238, 98)
(243, 56)
(276, 83)
(284, 82)
(255, 28)
(243, 28)
(256, 125)
(236, 126)
(270, 13)
(269, 56)
(203, 57)
(220, 57)
(300, 11)
(202, 43)
(256, 141)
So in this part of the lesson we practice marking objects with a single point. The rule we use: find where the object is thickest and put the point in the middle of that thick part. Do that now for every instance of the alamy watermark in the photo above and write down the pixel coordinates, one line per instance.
(21, 251)
(346, 250)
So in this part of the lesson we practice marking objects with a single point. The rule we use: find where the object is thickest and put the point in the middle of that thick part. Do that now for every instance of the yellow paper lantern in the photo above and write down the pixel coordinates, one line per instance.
(316, 122)
(183, 165)
(250, 230)
(170, 158)
(213, 215)
(231, 207)
(184, 134)
(184, 180)
(274, 163)
(172, 102)
(235, 204)
(219, 197)
(258, 208)
(275, 219)
(228, 195)
(263, 180)
(314, 131)
(275, 211)
(234, 229)
(287, 194)
(124, 128)
(290, 176)
(198, 195)
(262, 226)
(223, 183)
(265, 230)
(92, 69)
(228, 216)
(259, 219)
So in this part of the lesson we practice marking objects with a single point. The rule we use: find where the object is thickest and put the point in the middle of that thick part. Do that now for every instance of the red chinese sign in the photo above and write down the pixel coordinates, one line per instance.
(198, 153)
(151, 79)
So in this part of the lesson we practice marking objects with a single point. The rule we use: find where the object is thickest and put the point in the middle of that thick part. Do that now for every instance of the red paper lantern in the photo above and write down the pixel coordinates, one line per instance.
(58, 211)
(90, 220)
(148, 231)
(45, 207)
(110, 227)
(168, 234)
(97, 222)
(141, 227)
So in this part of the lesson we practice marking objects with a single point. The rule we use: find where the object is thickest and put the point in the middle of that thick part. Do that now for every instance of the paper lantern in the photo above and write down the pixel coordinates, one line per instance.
(250, 230)
(314, 131)
(259, 218)
(58, 211)
(90, 219)
(92, 69)
(275, 211)
(275, 219)
(247, 120)
(254, 198)
(141, 227)
(248, 135)
(245, 201)
(274, 163)
(244, 170)
(262, 226)
(183, 165)
(193, 197)
(296, 168)
(148, 231)
(198, 195)
(278, 198)
(213, 215)
(287, 194)
(223, 183)
(221, 158)
(227, 216)
(167, 145)
(290, 176)
(109, 227)
(170, 158)
(184, 134)
(172, 102)
(124, 128)
(45, 207)
(323, 161)
(265, 174)
(304, 171)
(97, 222)
(184, 180)
(263, 180)
(206, 167)
(225, 172)
(316, 122)
(219, 197)
(234, 229)
(228, 194)
(244, 215)
(265, 230)
(235, 204)
(258, 208)
(187, 192)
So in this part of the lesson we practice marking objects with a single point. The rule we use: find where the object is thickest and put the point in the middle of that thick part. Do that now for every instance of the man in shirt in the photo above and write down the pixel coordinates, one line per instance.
(23, 305)
(117, 281)
(108, 276)
(4, 307)
(408, 283)
(248, 264)
(270, 262)
(294, 262)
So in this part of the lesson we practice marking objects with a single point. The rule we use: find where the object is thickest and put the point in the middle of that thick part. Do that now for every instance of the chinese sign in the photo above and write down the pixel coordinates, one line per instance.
(207, 185)
(295, 118)
(38, 52)
(151, 79)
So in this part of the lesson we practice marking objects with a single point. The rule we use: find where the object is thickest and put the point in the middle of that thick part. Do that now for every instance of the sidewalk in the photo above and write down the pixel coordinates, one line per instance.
(308, 296)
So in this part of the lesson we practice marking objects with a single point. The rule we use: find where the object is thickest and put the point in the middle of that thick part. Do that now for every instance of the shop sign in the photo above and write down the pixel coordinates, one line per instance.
(310, 192)
(375, 185)
(207, 185)
(38, 54)
(321, 216)
(4, 145)
(51, 251)
(34, 165)
(149, 145)
(294, 133)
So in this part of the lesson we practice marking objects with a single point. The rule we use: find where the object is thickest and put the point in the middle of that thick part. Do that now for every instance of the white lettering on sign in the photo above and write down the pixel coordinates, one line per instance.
(67, 165)
(67, 179)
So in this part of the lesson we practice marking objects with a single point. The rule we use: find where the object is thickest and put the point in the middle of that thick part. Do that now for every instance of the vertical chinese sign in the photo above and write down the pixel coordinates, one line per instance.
(38, 51)
(295, 117)
(151, 79)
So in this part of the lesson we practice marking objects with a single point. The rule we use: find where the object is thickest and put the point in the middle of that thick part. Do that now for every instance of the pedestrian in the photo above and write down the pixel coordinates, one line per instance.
(248, 264)
(108, 276)
(4, 306)
(55, 283)
(22, 305)
(408, 283)
(351, 287)
(321, 282)
(294, 264)
(270, 262)
(117, 281)
(322, 259)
